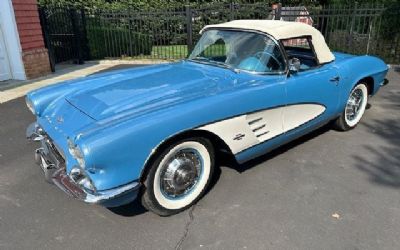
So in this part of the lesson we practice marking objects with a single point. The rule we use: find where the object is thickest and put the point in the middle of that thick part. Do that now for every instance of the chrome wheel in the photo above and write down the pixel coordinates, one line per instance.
(181, 173)
(355, 105)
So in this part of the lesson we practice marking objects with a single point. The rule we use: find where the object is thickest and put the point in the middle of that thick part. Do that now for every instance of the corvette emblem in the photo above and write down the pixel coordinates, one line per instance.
(238, 137)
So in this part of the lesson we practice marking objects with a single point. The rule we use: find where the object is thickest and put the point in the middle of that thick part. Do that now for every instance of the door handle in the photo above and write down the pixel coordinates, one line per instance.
(335, 79)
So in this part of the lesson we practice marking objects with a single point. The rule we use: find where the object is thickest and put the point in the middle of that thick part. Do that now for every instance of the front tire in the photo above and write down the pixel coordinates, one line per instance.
(355, 108)
(179, 176)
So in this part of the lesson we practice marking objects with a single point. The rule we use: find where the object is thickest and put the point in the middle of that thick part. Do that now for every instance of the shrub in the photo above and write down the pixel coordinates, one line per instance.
(117, 42)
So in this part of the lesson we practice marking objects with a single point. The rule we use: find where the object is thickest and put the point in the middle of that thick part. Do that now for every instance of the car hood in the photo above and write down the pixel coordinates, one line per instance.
(145, 89)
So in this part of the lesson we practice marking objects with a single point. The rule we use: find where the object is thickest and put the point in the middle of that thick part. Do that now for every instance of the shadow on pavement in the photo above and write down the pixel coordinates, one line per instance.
(385, 168)
(120, 66)
(132, 209)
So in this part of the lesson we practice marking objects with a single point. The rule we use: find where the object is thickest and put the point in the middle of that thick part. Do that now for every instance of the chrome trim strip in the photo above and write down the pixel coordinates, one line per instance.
(111, 193)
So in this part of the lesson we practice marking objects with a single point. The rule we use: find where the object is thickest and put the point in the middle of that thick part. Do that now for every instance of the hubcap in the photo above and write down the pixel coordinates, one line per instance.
(181, 173)
(354, 104)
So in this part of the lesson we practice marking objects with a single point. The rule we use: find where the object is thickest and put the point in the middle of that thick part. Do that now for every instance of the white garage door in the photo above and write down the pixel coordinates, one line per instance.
(5, 73)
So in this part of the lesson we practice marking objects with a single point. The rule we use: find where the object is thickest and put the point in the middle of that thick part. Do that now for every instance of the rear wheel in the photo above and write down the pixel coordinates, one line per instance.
(179, 176)
(355, 108)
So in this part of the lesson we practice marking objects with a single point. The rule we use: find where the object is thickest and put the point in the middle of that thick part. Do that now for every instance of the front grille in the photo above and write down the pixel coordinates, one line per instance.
(52, 147)
(53, 154)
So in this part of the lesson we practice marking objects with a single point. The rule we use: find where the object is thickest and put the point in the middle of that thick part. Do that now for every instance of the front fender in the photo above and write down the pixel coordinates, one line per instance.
(357, 68)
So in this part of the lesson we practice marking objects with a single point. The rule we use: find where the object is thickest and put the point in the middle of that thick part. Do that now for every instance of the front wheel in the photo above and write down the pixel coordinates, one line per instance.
(179, 176)
(355, 108)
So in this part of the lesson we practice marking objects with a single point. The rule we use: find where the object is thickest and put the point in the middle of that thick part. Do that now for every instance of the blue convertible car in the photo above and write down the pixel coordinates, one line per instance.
(153, 133)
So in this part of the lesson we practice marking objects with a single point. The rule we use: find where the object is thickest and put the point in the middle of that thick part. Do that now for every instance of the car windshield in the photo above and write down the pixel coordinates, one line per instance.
(240, 50)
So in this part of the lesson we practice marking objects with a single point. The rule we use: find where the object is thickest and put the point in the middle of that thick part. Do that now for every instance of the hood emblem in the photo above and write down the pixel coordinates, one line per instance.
(60, 119)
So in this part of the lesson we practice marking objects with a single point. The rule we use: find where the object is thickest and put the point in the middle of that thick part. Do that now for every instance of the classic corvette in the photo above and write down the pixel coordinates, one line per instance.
(154, 132)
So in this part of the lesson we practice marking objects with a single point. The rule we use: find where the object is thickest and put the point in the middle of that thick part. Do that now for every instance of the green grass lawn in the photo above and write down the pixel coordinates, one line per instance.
(179, 52)
(171, 51)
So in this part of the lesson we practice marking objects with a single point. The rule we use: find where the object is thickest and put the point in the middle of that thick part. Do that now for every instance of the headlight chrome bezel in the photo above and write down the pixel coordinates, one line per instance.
(78, 173)
(79, 176)
(76, 152)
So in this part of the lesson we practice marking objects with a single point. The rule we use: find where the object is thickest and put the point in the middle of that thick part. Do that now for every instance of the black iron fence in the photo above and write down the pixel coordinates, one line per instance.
(79, 34)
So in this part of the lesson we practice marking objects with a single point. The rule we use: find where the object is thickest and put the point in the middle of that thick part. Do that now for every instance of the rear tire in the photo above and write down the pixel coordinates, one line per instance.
(179, 176)
(355, 108)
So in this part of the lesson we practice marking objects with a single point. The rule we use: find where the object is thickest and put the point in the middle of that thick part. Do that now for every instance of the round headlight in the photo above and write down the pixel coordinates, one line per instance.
(86, 184)
(75, 151)
(79, 157)
(71, 147)
(79, 176)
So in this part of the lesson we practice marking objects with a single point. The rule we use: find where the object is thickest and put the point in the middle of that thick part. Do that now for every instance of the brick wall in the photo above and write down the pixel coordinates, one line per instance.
(34, 53)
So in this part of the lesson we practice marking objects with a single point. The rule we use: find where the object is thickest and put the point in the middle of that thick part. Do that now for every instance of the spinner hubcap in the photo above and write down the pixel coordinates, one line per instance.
(354, 104)
(180, 174)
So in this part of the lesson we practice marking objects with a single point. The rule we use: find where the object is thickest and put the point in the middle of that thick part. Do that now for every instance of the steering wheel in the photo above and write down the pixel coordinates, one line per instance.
(259, 55)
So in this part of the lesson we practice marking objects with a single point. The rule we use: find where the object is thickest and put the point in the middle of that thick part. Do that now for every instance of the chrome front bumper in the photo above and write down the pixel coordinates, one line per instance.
(109, 198)
(52, 162)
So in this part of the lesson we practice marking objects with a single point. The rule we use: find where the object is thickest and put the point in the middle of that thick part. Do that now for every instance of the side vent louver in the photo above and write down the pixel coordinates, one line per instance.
(259, 127)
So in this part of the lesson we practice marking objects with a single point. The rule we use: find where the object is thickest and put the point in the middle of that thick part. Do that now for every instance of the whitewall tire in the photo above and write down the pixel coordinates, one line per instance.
(179, 176)
(354, 109)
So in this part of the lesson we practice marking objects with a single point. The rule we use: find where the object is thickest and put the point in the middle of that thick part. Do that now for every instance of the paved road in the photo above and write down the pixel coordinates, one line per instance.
(284, 200)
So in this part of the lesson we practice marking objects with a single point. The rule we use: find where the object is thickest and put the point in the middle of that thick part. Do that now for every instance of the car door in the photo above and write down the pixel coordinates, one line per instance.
(312, 93)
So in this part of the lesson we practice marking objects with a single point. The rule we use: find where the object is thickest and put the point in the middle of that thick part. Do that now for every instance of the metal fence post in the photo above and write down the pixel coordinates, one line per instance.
(83, 33)
(231, 10)
(77, 36)
(189, 29)
(353, 19)
(47, 42)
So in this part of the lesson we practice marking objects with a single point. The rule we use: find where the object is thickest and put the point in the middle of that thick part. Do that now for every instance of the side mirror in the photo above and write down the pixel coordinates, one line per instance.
(294, 65)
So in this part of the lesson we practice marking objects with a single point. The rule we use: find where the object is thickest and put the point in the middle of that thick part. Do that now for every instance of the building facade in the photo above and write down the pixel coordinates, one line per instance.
(22, 51)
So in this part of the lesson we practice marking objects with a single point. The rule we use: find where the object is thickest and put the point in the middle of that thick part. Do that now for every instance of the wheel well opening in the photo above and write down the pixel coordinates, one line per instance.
(370, 84)
(218, 145)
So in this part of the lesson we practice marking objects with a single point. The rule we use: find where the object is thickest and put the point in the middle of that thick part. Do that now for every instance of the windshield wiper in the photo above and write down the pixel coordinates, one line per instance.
(212, 62)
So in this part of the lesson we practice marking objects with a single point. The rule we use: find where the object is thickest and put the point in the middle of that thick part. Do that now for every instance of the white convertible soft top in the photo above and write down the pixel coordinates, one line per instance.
(283, 30)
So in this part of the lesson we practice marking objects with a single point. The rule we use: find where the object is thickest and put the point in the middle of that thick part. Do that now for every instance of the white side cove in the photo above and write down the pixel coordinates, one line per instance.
(245, 131)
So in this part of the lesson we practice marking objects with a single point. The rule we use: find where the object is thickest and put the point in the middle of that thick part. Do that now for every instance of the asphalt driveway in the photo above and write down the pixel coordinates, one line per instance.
(328, 190)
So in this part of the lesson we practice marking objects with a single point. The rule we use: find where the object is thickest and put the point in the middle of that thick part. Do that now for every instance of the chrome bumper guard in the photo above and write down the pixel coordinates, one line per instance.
(51, 161)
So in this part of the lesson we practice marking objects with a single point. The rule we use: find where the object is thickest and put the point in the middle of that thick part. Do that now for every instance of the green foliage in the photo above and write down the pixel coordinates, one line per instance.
(141, 4)
(169, 52)
(91, 4)
(107, 41)
(390, 22)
